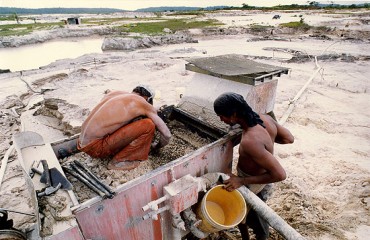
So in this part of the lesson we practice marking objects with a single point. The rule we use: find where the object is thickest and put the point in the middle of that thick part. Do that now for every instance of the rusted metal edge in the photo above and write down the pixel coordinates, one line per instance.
(203, 127)
(271, 75)
(251, 79)
(232, 136)
(240, 78)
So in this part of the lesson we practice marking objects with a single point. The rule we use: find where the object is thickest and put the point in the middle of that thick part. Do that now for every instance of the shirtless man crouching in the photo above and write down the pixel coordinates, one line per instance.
(122, 127)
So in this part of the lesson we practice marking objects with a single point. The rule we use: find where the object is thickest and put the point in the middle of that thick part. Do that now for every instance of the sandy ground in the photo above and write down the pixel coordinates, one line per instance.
(327, 192)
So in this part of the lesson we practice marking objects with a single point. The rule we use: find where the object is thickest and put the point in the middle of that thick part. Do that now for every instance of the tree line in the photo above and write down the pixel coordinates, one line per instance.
(310, 5)
(11, 10)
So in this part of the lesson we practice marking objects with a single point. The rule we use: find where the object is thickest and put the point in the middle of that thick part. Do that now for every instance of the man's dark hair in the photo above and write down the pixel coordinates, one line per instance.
(229, 103)
(144, 91)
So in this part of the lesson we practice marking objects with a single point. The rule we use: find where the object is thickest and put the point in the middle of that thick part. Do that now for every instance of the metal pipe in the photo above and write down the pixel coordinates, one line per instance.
(177, 226)
(273, 219)
(84, 181)
(192, 222)
(154, 214)
(80, 165)
(90, 180)
(153, 205)
(8, 210)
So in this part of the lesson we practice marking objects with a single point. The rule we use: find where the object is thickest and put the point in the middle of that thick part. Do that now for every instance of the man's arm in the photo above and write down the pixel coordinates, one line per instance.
(283, 136)
(274, 171)
(165, 134)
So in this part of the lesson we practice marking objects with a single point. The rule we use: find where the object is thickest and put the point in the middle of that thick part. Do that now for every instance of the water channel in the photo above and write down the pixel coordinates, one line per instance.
(37, 55)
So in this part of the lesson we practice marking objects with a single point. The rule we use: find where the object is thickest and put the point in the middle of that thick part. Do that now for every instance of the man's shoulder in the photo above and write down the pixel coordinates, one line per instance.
(126, 95)
(251, 136)
(256, 135)
(266, 117)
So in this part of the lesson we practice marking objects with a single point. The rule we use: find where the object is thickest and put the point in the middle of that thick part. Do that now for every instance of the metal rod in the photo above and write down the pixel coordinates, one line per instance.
(84, 181)
(8, 210)
(271, 74)
(93, 176)
(89, 179)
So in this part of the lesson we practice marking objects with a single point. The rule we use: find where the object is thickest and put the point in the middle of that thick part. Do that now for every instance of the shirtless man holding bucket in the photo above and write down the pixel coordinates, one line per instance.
(257, 165)
(122, 127)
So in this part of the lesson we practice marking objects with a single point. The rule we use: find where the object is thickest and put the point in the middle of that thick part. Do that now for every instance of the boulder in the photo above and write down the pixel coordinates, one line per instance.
(129, 43)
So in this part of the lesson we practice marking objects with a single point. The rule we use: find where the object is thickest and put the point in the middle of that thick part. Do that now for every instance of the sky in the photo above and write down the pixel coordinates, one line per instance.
(135, 4)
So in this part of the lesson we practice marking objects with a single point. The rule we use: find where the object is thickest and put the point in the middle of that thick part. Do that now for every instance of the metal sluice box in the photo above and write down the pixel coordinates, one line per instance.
(123, 217)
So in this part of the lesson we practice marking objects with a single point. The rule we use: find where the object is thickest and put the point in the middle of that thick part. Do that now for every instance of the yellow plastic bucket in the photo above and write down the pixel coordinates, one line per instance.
(220, 209)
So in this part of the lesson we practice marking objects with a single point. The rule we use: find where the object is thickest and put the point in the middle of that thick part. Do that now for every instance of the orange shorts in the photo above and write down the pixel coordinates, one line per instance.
(130, 142)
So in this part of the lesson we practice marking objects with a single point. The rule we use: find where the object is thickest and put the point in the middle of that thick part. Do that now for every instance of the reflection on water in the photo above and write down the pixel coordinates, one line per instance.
(37, 55)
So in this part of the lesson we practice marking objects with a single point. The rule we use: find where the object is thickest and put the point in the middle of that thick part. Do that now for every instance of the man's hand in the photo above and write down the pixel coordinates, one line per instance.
(154, 148)
(233, 183)
(157, 144)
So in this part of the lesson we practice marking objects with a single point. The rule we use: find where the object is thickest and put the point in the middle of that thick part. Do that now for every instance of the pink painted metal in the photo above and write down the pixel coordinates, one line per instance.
(181, 194)
(122, 216)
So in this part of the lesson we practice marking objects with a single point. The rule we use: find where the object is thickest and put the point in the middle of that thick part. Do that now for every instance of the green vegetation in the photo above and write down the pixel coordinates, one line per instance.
(174, 24)
(107, 21)
(246, 6)
(259, 28)
(154, 25)
(191, 13)
(301, 25)
(146, 25)
(323, 28)
(7, 18)
(10, 10)
(23, 29)
(309, 5)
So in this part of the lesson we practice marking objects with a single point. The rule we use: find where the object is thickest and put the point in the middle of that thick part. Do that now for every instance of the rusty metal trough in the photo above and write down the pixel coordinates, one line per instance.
(123, 217)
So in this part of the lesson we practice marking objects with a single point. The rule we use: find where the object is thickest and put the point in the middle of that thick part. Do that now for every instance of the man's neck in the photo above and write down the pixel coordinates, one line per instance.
(243, 125)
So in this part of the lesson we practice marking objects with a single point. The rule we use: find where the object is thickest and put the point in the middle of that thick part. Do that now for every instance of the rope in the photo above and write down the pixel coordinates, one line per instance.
(292, 103)
(28, 85)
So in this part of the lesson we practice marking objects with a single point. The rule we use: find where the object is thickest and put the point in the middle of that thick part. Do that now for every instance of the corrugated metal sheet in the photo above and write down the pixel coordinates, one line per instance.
(235, 67)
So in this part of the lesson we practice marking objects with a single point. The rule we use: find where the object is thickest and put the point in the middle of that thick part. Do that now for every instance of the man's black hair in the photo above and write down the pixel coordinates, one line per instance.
(144, 91)
(229, 103)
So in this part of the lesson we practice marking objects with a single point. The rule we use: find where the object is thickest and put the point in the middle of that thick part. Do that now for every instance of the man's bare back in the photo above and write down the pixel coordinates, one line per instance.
(122, 127)
(114, 113)
(115, 110)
